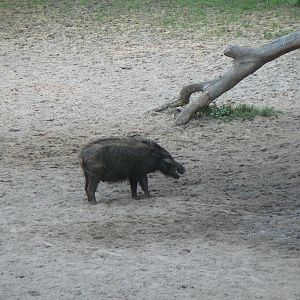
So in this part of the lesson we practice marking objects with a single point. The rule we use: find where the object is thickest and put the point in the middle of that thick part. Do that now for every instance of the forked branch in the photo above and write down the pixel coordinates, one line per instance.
(246, 62)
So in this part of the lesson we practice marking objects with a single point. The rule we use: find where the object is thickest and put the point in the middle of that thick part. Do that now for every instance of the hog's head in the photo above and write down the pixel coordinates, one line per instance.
(170, 167)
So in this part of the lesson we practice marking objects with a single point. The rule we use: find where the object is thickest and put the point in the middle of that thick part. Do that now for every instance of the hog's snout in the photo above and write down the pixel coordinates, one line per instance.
(180, 169)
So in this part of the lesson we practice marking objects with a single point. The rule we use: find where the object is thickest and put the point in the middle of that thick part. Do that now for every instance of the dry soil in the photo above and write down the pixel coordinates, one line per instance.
(227, 229)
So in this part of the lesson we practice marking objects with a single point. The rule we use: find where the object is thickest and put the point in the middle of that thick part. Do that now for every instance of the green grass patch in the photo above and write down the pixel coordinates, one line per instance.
(210, 17)
(229, 112)
(196, 13)
(270, 35)
(186, 13)
(20, 4)
(235, 5)
(195, 7)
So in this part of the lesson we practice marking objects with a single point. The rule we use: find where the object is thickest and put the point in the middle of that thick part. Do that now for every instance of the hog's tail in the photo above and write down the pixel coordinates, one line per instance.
(81, 160)
(82, 164)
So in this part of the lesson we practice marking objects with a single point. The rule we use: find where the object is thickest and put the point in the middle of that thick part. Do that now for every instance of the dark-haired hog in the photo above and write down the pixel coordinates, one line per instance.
(132, 158)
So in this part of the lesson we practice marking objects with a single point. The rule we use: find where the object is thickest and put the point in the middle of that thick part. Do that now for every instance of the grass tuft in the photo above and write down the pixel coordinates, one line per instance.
(229, 112)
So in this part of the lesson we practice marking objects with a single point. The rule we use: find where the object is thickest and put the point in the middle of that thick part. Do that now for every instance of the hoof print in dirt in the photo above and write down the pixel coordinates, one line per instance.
(119, 159)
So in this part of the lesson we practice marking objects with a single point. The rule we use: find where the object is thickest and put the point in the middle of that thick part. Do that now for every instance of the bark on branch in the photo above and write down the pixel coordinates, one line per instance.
(246, 62)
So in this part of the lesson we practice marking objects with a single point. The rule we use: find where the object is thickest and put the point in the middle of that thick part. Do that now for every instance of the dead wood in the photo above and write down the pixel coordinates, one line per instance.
(246, 61)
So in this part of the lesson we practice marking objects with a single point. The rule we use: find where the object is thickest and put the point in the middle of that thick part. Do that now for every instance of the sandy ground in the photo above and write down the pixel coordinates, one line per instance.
(228, 229)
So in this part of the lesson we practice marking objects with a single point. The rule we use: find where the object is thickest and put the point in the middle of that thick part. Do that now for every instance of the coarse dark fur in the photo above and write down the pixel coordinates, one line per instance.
(131, 158)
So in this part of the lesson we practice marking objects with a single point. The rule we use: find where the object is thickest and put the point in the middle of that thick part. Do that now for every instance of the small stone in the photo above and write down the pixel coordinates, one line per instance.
(185, 251)
(14, 129)
(34, 293)
(183, 286)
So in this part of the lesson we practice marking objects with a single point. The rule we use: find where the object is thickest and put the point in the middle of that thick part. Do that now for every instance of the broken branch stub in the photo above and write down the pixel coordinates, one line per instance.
(246, 62)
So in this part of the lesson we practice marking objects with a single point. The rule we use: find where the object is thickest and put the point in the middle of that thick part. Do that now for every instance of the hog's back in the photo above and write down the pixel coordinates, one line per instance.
(118, 159)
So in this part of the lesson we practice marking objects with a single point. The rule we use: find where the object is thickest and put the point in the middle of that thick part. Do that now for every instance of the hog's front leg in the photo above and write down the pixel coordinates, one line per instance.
(143, 181)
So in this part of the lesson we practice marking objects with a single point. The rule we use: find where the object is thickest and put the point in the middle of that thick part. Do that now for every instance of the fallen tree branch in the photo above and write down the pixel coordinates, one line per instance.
(246, 62)
(185, 95)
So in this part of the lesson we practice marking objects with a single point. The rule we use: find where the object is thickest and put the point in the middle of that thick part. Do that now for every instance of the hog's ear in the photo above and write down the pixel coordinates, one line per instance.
(165, 164)
(168, 161)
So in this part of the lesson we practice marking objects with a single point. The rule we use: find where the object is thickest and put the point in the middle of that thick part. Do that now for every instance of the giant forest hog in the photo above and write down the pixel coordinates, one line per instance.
(117, 159)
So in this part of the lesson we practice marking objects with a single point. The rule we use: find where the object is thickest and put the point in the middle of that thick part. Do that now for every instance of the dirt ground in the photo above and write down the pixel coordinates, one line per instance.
(228, 229)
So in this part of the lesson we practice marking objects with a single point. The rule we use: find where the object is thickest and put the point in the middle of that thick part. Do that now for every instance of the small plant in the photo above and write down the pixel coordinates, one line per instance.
(229, 112)
(274, 34)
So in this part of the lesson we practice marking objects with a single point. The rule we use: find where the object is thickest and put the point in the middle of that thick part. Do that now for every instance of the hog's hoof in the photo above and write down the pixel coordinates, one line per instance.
(93, 202)
(145, 196)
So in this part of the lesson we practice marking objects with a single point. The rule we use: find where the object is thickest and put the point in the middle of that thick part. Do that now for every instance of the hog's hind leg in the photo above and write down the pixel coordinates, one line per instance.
(133, 186)
(86, 183)
(91, 188)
